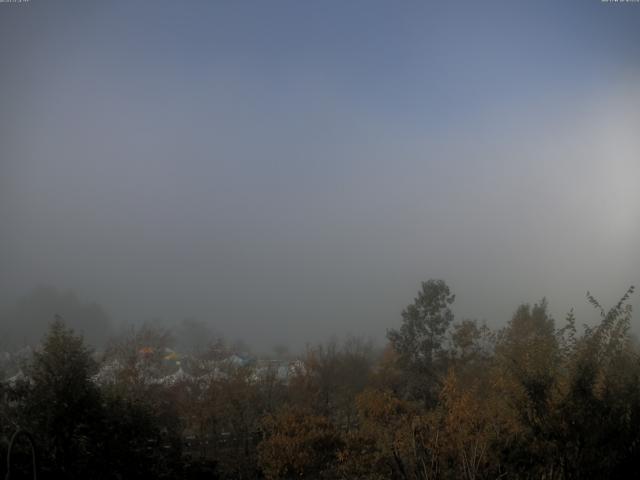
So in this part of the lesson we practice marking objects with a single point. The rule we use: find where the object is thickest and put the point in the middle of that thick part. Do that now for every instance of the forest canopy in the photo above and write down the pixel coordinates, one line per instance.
(445, 399)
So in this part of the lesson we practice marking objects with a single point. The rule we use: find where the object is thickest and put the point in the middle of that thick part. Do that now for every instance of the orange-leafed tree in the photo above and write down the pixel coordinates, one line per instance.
(298, 445)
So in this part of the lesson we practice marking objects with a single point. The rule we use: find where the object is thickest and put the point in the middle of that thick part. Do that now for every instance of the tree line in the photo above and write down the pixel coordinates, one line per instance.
(446, 399)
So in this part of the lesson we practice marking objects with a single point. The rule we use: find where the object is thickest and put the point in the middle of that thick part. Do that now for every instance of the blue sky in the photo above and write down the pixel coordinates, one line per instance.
(297, 168)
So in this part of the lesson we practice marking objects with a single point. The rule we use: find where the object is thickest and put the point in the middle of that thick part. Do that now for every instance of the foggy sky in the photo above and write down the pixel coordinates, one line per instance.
(292, 170)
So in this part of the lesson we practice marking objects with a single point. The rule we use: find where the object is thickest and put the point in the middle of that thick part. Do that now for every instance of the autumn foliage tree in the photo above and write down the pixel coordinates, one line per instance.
(298, 444)
(81, 431)
(444, 400)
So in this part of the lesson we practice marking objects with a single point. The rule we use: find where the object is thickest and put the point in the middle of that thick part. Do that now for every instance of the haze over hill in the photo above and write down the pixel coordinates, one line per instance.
(285, 172)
